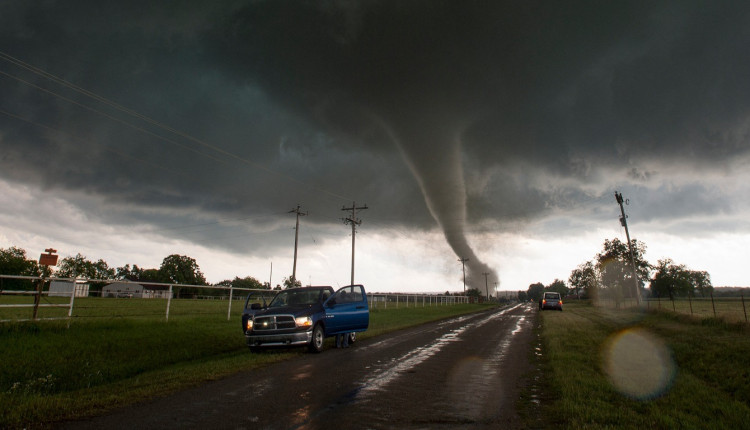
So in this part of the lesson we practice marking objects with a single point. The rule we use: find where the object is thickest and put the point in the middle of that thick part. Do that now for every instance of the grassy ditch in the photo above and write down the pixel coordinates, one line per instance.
(51, 372)
(606, 368)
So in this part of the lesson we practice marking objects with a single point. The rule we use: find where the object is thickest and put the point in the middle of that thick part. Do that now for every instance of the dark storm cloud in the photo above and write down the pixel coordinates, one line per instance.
(474, 110)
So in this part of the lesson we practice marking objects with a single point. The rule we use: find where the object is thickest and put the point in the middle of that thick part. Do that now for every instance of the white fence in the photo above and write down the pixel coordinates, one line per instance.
(39, 287)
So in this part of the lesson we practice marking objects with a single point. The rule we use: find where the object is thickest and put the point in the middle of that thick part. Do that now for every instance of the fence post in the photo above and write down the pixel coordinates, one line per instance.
(72, 299)
(37, 297)
(229, 311)
(743, 304)
(169, 301)
(712, 303)
(691, 304)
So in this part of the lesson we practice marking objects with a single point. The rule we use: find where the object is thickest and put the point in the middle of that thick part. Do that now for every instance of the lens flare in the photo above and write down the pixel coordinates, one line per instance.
(638, 364)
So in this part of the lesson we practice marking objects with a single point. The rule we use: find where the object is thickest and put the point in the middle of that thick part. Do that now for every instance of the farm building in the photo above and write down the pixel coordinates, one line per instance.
(132, 289)
(64, 288)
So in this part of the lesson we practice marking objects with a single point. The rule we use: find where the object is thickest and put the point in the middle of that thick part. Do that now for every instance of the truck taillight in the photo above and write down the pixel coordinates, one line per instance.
(544, 302)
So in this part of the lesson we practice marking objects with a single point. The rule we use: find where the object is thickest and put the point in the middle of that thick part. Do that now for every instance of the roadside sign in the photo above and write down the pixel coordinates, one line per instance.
(48, 259)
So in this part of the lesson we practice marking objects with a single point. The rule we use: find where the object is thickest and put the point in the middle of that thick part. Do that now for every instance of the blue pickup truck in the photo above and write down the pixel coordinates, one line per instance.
(305, 316)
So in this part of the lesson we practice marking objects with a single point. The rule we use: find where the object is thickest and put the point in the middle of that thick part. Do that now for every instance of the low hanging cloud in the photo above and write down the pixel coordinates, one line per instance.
(433, 112)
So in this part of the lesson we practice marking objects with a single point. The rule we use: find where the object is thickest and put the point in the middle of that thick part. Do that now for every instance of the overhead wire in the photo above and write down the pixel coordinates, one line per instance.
(149, 120)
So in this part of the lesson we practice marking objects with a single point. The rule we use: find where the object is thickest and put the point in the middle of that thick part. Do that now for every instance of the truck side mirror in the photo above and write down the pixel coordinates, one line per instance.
(255, 306)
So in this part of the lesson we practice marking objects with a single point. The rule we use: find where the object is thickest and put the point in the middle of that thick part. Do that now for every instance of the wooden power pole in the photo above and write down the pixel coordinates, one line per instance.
(296, 239)
(354, 222)
(624, 222)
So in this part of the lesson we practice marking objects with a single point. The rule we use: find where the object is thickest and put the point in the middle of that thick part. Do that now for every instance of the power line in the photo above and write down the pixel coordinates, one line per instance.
(145, 118)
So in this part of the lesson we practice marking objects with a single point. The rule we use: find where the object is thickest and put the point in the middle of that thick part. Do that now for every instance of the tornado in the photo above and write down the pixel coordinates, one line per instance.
(432, 149)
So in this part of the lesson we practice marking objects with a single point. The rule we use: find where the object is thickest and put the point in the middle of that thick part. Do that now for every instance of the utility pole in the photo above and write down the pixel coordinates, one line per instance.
(486, 288)
(624, 222)
(354, 222)
(463, 266)
(296, 239)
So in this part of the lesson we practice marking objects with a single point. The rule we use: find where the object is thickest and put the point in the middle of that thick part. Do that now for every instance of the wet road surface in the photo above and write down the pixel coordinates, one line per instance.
(464, 372)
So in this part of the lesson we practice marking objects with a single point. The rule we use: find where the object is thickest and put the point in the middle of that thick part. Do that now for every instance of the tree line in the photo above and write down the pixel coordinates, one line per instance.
(609, 275)
(174, 269)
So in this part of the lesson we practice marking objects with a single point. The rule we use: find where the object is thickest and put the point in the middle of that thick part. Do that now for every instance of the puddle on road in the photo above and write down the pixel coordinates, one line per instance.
(470, 379)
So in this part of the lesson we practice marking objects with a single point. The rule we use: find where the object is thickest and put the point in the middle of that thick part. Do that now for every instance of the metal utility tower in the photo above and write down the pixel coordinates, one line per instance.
(354, 222)
(296, 240)
(463, 267)
(624, 222)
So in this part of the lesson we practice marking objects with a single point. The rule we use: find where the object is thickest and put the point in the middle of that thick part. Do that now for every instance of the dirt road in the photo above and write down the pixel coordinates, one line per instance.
(459, 373)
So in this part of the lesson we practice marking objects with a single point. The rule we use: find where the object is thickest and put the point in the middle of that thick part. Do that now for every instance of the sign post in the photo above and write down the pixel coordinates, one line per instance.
(48, 259)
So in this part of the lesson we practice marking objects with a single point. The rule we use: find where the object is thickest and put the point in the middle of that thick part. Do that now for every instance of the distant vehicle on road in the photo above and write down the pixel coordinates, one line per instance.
(551, 300)
(306, 316)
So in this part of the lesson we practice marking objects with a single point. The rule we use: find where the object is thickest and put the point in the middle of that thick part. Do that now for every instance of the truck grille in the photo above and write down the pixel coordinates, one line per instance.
(274, 322)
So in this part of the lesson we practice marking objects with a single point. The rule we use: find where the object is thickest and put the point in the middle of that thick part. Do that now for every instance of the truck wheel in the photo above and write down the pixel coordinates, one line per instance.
(318, 336)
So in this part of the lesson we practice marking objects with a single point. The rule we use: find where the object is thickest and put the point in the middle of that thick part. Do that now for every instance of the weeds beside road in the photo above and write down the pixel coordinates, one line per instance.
(607, 368)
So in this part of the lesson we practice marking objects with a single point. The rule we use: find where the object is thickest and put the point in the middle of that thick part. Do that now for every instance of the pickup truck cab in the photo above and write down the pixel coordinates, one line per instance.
(306, 316)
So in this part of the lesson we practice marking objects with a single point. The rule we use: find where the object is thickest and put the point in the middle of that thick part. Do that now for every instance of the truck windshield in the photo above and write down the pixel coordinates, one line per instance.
(295, 298)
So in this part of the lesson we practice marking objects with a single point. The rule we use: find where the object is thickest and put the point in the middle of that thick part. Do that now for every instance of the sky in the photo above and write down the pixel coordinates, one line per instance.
(496, 132)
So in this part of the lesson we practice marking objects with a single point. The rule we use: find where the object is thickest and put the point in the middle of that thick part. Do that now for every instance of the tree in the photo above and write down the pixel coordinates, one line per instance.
(701, 280)
(152, 275)
(613, 264)
(584, 278)
(249, 282)
(558, 286)
(522, 297)
(671, 280)
(81, 267)
(290, 283)
(535, 291)
(13, 261)
(130, 274)
(474, 295)
(181, 269)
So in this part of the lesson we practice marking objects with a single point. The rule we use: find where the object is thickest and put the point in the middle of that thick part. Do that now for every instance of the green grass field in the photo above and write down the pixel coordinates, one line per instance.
(731, 309)
(598, 368)
(108, 358)
(606, 368)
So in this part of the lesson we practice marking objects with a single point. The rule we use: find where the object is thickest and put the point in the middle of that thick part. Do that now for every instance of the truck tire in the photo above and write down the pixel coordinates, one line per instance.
(318, 337)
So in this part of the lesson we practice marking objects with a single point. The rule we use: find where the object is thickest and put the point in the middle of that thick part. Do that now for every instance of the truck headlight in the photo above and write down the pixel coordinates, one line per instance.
(249, 324)
(303, 321)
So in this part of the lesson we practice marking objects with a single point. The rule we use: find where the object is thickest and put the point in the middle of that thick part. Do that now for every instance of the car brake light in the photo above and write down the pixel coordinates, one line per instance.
(544, 302)
(560, 301)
